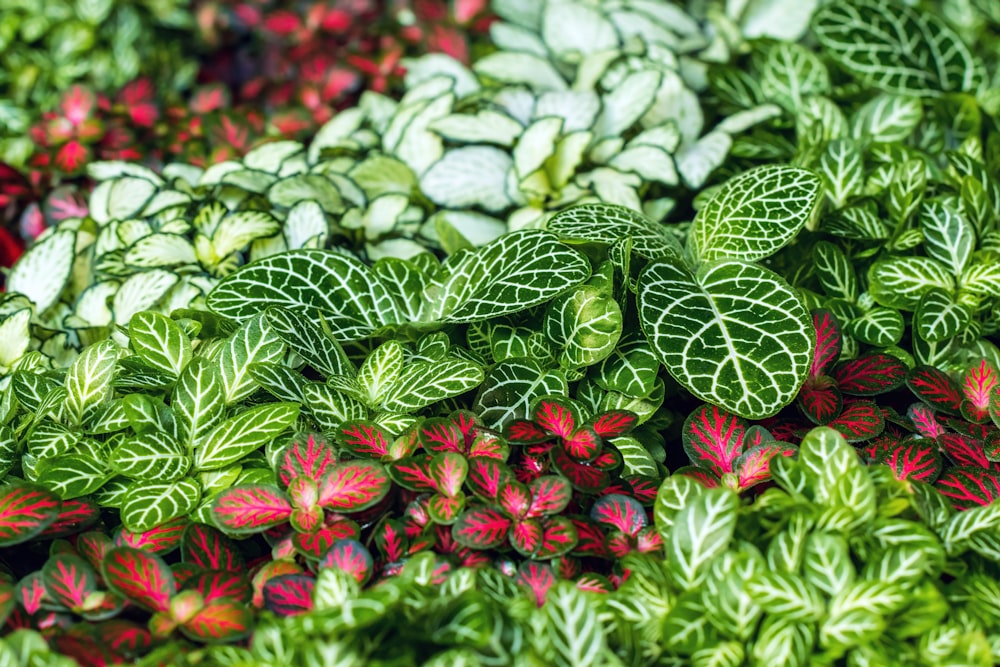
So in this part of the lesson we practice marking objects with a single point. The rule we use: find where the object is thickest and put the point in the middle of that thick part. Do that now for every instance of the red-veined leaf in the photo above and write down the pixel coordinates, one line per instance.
(531, 467)
(977, 431)
(439, 434)
(184, 572)
(644, 489)
(869, 374)
(69, 580)
(124, 637)
(619, 544)
(220, 621)
(468, 424)
(83, 649)
(914, 459)
(365, 439)
(489, 446)
(251, 508)
(555, 416)
(313, 545)
(963, 450)
(753, 466)
(215, 584)
(549, 495)
(209, 549)
(309, 459)
(614, 423)
(94, 546)
(515, 499)
(979, 384)
(991, 447)
(141, 577)
(525, 432)
(350, 556)
(526, 536)
(859, 421)
(538, 578)
(354, 485)
(269, 571)
(583, 444)
(487, 476)
(704, 477)
(289, 594)
(160, 540)
(445, 509)
(25, 511)
(924, 420)
(620, 512)
(74, 515)
(829, 342)
(391, 540)
(481, 528)
(8, 600)
(558, 537)
(586, 477)
(968, 487)
(936, 388)
(594, 583)
(756, 435)
(449, 471)
(820, 400)
(713, 438)
(31, 594)
(648, 539)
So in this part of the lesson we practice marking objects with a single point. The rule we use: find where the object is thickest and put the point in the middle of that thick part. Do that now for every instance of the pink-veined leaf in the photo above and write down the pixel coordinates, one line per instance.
(489, 446)
(756, 435)
(583, 444)
(526, 536)
(515, 499)
(310, 459)
(525, 432)
(251, 508)
(449, 470)
(8, 600)
(648, 539)
(924, 420)
(74, 516)
(350, 556)
(829, 342)
(124, 637)
(619, 544)
(969, 487)
(704, 477)
(979, 385)
(25, 511)
(991, 447)
(439, 434)
(593, 583)
(83, 649)
(481, 528)
(69, 580)
(364, 439)
(289, 594)
(215, 584)
(159, 540)
(555, 416)
(713, 438)
(468, 424)
(859, 421)
(184, 572)
(936, 388)
(354, 485)
(269, 571)
(820, 400)
(391, 540)
(964, 450)
(644, 489)
(558, 537)
(549, 495)
(586, 477)
(977, 431)
(220, 621)
(538, 578)
(139, 576)
(93, 547)
(313, 545)
(31, 594)
(614, 423)
(753, 466)
(620, 512)
(209, 549)
(869, 374)
(487, 476)
(445, 509)
(914, 459)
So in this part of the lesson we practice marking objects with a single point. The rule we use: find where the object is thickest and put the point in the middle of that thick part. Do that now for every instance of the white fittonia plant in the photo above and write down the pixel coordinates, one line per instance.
(731, 331)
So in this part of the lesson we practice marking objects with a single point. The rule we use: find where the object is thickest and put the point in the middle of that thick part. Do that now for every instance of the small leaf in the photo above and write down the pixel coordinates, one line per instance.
(70, 581)
(870, 374)
(250, 508)
(220, 621)
(351, 557)
(481, 528)
(209, 549)
(859, 421)
(249, 430)
(620, 512)
(353, 485)
(159, 341)
(25, 511)
(140, 577)
(936, 388)
(713, 438)
(289, 594)
(146, 505)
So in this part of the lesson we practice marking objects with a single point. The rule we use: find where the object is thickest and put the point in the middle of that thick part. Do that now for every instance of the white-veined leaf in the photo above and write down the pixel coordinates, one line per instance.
(159, 341)
(485, 127)
(198, 400)
(520, 68)
(627, 102)
(15, 336)
(900, 282)
(423, 383)
(699, 532)
(510, 387)
(380, 371)
(790, 73)
(150, 457)
(842, 169)
(254, 341)
(888, 118)
(41, 273)
(948, 236)
(238, 230)
(160, 250)
(938, 317)
(145, 506)
(574, 626)
(141, 291)
(88, 380)
(786, 595)
(237, 436)
(469, 176)
(310, 341)
(73, 476)
(585, 324)
(572, 30)
(835, 271)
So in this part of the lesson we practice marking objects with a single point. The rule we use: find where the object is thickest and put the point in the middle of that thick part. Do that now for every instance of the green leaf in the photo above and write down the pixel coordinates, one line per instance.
(900, 282)
(574, 627)
(835, 271)
(510, 387)
(151, 457)
(585, 324)
(604, 224)
(888, 118)
(826, 562)
(631, 368)
(380, 371)
(88, 380)
(146, 506)
(938, 318)
(733, 334)
(787, 595)
(982, 278)
(198, 400)
(701, 531)
(253, 342)
(948, 236)
(781, 641)
(842, 168)
(423, 383)
(675, 493)
(789, 73)
(237, 436)
(160, 342)
(330, 407)
(880, 327)
(73, 476)
(41, 273)
(310, 341)
(282, 382)
(146, 414)
(895, 48)
(755, 214)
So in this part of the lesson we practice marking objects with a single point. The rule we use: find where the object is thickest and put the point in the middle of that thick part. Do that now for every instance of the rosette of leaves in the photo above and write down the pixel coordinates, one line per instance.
(729, 330)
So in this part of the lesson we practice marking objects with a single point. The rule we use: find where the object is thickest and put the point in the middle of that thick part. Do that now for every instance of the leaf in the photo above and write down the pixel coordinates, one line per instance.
(574, 625)
(980, 386)
(481, 528)
(900, 282)
(948, 236)
(700, 531)
(550, 494)
(220, 621)
(198, 401)
(753, 466)
(250, 508)
(754, 214)
(146, 505)
(537, 577)
(470, 176)
(160, 539)
(88, 380)
(938, 317)
(207, 548)
(249, 430)
(510, 387)
(150, 457)
(253, 342)
(880, 327)
(935, 388)
(349, 556)
(914, 460)
(585, 324)
(73, 476)
(733, 334)
(421, 384)
(606, 224)
(353, 485)
(834, 270)
(25, 511)
(787, 596)
(213, 585)
(42, 272)
(160, 342)
(871, 374)
(69, 580)
(620, 512)
(892, 47)
(820, 400)
(713, 438)
(289, 594)
(308, 339)
(140, 577)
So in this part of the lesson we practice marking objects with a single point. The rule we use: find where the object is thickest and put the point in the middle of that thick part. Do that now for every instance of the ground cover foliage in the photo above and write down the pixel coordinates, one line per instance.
(652, 334)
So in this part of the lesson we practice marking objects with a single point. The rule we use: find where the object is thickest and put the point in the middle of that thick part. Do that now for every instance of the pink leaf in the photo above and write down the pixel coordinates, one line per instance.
(859, 421)
(309, 459)
(620, 512)
(365, 439)
(936, 388)
(538, 578)
(713, 438)
(140, 576)
(354, 485)
(549, 495)
(555, 417)
(828, 342)
(350, 556)
(481, 528)
(251, 508)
